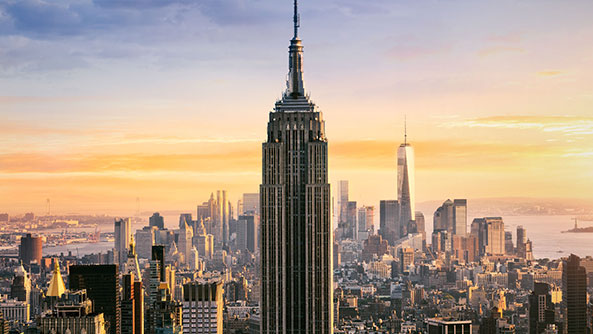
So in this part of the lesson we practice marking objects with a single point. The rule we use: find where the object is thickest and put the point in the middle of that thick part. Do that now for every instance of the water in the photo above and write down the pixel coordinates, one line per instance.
(79, 249)
(546, 234)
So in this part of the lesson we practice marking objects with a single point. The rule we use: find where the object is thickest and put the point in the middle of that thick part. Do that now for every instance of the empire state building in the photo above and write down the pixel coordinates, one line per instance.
(296, 231)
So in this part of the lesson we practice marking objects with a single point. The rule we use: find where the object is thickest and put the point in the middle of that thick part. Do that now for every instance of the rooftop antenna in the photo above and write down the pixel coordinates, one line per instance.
(297, 19)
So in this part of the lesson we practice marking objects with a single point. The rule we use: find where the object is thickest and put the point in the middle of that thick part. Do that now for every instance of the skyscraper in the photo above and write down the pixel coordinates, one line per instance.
(296, 248)
(250, 204)
(31, 249)
(123, 234)
(157, 221)
(389, 220)
(574, 295)
(460, 217)
(342, 202)
(541, 308)
(247, 232)
(406, 194)
(102, 286)
(490, 234)
(132, 305)
(366, 217)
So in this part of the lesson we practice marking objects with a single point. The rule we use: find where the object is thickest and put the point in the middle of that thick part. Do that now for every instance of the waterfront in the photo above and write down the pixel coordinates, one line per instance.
(548, 240)
(544, 231)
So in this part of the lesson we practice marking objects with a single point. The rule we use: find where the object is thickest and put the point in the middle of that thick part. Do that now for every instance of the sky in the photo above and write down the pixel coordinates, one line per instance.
(103, 102)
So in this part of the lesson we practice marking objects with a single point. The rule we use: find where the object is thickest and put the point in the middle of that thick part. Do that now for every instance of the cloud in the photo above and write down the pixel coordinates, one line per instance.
(569, 125)
(549, 73)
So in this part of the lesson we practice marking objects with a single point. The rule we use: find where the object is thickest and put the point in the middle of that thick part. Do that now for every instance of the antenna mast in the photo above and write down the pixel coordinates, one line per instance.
(296, 19)
(405, 129)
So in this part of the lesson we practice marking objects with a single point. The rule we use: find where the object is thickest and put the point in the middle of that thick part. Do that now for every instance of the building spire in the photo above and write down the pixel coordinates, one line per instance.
(295, 86)
(296, 19)
(405, 130)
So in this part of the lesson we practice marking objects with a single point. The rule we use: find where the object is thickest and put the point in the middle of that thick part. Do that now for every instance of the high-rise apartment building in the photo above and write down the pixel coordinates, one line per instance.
(296, 229)
(574, 295)
(123, 235)
(202, 307)
(102, 286)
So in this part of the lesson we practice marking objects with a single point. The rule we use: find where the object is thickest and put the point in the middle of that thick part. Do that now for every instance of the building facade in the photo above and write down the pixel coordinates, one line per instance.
(202, 307)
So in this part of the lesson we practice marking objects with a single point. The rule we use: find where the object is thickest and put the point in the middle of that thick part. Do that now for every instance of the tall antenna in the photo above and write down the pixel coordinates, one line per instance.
(405, 129)
(48, 207)
(297, 19)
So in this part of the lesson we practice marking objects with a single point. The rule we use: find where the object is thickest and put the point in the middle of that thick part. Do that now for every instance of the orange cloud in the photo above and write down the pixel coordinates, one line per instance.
(549, 73)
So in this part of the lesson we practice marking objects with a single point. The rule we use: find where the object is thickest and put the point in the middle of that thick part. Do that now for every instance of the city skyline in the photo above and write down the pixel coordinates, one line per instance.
(163, 131)
(173, 131)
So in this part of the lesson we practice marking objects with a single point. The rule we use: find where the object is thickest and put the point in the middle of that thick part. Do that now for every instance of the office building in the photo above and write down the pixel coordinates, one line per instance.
(389, 220)
(508, 242)
(185, 218)
(102, 286)
(448, 326)
(185, 237)
(366, 218)
(145, 239)
(406, 183)
(123, 235)
(202, 307)
(574, 295)
(452, 217)
(342, 203)
(247, 232)
(204, 242)
(72, 313)
(296, 228)
(156, 220)
(490, 234)
(420, 223)
(31, 249)
(20, 289)
(250, 204)
(351, 230)
(132, 305)
(541, 308)
(406, 258)
(16, 311)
